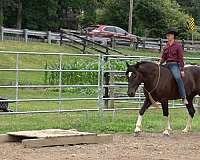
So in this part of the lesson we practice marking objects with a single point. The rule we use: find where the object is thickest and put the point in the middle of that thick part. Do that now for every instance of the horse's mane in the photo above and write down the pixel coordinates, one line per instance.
(143, 62)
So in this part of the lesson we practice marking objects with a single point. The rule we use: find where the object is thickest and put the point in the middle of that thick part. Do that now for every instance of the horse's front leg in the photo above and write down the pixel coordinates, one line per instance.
(191, 112)
(167, 118)
(146, 104)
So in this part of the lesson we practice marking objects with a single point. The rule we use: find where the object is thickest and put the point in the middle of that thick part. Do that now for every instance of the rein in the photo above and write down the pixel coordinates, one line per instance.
(149, 92)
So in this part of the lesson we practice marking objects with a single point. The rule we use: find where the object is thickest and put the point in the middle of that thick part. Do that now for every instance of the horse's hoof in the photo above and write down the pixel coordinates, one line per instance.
(185, 131)
(166, 133)
(136, 134)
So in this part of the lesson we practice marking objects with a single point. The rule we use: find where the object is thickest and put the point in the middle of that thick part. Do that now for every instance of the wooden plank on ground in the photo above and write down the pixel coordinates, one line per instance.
(104, 138)
(57, 141)
(49, 133)
(6, 138)
(56, 137)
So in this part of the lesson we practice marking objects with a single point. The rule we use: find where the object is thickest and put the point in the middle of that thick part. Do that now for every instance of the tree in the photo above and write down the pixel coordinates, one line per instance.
(19, 14)
(158, 15)
(1, 13)
(89, 10)
(116, 13)
(4, 4)
(41, 15)
(191, 7)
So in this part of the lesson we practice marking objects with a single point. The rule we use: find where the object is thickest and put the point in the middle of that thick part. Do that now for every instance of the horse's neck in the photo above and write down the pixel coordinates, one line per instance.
(149, 78)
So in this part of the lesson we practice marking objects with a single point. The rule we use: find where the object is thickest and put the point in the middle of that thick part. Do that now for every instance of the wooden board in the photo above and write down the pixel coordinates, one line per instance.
(6, 138)
(55, 137)
(49, 133)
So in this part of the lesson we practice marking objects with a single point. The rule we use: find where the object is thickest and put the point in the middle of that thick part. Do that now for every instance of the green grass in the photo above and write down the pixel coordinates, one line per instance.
(33, 47)
(123, 121)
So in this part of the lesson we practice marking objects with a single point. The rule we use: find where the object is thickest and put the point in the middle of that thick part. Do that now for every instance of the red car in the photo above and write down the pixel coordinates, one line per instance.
(105, 33)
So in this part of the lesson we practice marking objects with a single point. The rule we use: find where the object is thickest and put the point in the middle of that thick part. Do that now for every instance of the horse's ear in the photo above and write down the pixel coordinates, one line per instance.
(127, 64)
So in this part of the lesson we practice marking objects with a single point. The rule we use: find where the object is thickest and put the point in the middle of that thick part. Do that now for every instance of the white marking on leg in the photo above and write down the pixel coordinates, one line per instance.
(168, 126)
(138, 124)
(188, 125)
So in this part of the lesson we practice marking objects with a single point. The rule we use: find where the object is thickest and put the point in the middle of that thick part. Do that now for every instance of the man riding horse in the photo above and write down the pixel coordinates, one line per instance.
(173, 56)
(162, 83)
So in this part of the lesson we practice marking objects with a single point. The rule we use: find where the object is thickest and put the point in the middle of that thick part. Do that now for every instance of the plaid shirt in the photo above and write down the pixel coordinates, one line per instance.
(173, 53)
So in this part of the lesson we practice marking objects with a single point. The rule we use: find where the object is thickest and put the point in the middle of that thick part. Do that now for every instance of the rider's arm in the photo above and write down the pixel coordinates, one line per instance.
(163, 58)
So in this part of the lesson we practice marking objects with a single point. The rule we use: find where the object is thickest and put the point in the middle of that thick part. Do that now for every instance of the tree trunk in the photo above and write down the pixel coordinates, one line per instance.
(19, 15)
(1, 13)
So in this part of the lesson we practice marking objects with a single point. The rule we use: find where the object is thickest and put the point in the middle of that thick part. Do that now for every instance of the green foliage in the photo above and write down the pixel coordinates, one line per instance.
(75, 77)
(116, 13)
(192, 8)
(158, 15)
(150, 17)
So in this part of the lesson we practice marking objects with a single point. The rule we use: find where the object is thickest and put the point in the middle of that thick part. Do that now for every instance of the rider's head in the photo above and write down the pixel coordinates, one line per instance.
(170, 34)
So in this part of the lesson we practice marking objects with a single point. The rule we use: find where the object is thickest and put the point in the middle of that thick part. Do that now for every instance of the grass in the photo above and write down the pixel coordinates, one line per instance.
(123, 121)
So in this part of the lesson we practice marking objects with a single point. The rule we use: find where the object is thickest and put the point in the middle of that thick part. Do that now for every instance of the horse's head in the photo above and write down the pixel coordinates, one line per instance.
(134, 79)
(141, 72)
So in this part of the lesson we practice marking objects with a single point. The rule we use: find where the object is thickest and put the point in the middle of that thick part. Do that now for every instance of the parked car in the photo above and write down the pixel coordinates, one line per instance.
(104, 34)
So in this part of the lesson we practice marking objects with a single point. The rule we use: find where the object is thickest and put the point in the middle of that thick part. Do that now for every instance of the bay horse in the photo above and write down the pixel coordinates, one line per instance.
(160, 86)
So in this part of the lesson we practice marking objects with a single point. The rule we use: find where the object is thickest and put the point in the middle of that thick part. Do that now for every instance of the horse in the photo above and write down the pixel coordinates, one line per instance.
(160, 86)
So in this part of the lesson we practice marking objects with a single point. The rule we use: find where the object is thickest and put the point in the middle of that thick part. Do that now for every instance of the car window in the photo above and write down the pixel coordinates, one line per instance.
(121, 31)
(109, 29)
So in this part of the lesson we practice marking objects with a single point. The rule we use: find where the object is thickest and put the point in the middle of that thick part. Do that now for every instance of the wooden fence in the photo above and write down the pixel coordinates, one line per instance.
(49, 37)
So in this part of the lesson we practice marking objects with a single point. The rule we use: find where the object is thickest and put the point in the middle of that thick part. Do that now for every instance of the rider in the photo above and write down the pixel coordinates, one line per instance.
(173, 56)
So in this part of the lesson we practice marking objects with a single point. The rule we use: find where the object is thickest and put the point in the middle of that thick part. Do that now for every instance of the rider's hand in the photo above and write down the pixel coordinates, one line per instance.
(182, 73)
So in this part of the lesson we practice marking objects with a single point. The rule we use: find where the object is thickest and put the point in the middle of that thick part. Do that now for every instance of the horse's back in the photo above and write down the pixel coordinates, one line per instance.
(191, 81)
(192, 78)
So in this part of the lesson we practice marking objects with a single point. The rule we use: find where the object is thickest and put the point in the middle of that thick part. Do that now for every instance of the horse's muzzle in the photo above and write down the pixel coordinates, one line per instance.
(131, 94)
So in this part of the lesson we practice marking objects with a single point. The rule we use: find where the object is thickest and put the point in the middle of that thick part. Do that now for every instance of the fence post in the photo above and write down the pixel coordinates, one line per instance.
(26, 35)
(100, 104)
(17, 82)
(1, 29)
(161, 43)
(84, 46)
(137, 43)
(113, 42)
(61, 38)
(60, 81)
(143, 41)
(111, 83)
(183, 44)
(106, 89)
(49, 37)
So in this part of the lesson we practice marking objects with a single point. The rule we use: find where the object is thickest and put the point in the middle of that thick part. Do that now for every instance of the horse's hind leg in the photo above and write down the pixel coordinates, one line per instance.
(191, 112)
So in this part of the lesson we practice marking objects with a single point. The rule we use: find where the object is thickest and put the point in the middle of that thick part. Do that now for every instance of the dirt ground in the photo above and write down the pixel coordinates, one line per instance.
(124, 147)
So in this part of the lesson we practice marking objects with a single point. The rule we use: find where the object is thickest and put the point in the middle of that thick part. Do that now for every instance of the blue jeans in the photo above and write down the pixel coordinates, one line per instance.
(175, 70)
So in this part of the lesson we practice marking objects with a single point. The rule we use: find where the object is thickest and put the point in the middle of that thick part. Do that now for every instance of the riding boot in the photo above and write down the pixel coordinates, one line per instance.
(185, 101)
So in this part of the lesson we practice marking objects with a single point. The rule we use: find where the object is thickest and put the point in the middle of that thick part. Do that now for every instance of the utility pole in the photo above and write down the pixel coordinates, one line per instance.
(130, 22)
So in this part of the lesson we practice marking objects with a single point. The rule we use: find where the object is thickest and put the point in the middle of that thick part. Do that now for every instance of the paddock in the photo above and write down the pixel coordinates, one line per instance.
(106, 111)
